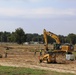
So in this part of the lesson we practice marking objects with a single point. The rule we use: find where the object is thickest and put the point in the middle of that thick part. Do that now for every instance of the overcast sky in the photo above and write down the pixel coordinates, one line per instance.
(57, 16)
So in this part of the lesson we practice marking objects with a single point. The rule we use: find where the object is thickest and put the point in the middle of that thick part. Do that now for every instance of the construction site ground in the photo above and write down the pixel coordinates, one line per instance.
(23, 56)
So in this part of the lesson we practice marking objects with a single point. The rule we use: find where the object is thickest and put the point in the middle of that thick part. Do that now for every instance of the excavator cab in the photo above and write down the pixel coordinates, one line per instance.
(57, 46)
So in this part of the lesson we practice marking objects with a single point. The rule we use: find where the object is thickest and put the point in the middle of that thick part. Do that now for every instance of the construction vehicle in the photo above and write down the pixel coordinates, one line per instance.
(58, 48)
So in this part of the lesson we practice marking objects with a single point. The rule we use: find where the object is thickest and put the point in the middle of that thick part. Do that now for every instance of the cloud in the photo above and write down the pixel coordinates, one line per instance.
(36, 12)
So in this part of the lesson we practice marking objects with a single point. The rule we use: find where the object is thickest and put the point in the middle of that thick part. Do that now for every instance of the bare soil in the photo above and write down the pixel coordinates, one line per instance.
(23, 56)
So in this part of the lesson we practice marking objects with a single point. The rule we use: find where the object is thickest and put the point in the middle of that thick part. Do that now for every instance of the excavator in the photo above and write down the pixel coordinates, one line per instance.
(50, 56)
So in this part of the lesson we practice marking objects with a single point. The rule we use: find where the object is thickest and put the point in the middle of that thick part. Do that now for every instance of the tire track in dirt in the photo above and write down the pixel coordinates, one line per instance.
(37, 67)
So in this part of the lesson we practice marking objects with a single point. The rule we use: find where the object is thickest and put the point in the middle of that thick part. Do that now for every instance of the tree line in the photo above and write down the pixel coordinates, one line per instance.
(19, 36)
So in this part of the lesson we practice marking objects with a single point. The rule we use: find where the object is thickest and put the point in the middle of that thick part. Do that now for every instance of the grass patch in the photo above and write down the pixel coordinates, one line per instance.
(74, 54)
(20, 71)
(4, 70)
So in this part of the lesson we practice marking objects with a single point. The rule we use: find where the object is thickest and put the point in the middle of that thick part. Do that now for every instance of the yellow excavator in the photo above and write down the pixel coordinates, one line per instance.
(58, 48)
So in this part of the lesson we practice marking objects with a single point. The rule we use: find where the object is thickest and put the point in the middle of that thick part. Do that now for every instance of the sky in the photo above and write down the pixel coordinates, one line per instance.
(57, 16)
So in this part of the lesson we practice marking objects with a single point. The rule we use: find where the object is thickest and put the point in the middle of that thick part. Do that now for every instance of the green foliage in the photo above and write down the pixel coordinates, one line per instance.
(74, 54)
(72, 38)
(12, 37)
(62, 39)
(29, 37)
(4, 36)
(50, 40)
(27, 71)
(19, 35)
(34, 37)
(20, 71)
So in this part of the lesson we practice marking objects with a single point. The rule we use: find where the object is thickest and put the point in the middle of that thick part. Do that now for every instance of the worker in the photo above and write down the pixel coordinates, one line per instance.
(40, 52)
(35, 51)
(6, 52)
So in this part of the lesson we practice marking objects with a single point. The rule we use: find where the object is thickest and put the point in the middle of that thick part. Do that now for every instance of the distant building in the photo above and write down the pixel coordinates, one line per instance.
(36, 42)
(26, 43)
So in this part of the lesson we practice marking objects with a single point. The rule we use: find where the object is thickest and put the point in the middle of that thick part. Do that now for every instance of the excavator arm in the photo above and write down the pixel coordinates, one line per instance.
(52, 35)
(45, 39)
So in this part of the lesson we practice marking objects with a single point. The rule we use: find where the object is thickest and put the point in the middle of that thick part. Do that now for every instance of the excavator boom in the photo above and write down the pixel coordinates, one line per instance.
(54, 36)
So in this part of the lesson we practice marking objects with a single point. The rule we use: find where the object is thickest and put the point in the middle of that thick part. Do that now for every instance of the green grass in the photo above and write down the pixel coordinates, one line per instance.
(74, 54)
(20, 71)
(4, 70)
